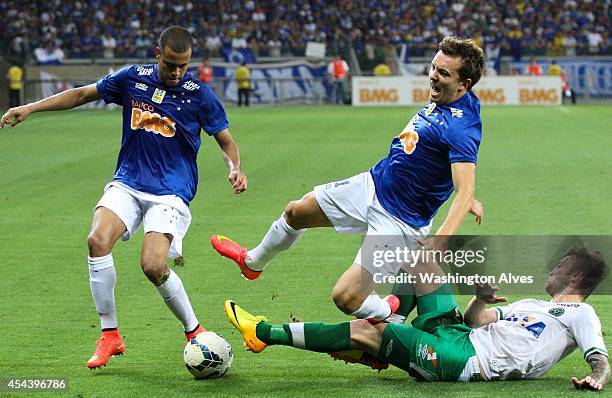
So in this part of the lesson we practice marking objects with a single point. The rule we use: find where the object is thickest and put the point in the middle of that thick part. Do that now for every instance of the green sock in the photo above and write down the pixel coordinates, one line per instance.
(405, 294)
(312, 336)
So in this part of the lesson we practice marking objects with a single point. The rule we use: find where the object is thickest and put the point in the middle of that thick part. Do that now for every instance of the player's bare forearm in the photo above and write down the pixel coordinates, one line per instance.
(229, 149)
(600, 374)
(231, 156)
(600, 368)
(67, 99)
(461, 205)
(464, 181)
(473, 312)
(477, 315)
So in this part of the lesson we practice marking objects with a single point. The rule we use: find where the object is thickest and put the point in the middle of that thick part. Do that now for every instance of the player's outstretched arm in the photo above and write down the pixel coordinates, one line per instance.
(231, 156)
(476, 315)
(65, 100)
(600, 373)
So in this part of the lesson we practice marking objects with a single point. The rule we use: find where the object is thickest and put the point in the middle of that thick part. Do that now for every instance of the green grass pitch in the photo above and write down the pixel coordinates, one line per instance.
(542, 170)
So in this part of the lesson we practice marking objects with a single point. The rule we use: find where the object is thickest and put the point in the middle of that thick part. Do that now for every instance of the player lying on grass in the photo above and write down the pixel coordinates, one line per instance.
(522, 340)
(164, 109)
(433, 156)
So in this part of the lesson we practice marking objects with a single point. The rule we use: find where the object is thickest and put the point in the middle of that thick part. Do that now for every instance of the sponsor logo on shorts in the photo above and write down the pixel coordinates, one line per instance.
(341, 183)
(389, 348)
(428, 353)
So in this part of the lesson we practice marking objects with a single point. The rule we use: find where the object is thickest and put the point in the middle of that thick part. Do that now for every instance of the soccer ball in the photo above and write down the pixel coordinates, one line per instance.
(208, 356)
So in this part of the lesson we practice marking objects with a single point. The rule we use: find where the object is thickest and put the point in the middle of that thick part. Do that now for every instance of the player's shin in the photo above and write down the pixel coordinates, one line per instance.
(405, 293)
(102, 279)
(279, 237)
(175, 297)
(311, 336)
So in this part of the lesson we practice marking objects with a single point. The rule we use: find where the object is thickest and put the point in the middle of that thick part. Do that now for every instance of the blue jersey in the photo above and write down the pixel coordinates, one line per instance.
(415, 179)
(161, 129)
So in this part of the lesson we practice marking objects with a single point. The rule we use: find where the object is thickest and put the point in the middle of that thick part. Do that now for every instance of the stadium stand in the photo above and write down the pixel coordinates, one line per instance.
(57, 29)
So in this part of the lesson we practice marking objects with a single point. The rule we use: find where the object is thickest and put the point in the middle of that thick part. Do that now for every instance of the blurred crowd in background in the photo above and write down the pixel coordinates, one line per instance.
(277, 28)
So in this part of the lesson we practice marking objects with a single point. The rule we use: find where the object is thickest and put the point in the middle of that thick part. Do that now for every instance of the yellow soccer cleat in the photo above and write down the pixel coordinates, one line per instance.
(246, 325)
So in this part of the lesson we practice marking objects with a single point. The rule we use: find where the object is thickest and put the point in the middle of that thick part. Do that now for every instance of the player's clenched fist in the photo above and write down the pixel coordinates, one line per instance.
(238, 180)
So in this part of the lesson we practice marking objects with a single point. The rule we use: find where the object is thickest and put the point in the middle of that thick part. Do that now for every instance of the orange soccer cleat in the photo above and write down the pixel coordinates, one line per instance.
(109, 344)
(232, 250)
(394, 304)
(193, 334)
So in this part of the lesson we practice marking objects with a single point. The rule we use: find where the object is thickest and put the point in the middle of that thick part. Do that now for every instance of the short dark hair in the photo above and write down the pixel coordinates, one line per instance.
(177, 38)
(472, 56)
(591, 263)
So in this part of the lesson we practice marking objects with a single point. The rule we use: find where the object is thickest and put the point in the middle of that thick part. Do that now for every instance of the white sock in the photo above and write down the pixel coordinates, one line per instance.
(396, 318)
(102, 279)
(175, 297)
(279, 237)
(373, 307)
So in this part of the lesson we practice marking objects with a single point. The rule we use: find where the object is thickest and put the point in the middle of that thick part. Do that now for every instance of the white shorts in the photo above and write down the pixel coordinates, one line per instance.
(352, 206)
(166, 214)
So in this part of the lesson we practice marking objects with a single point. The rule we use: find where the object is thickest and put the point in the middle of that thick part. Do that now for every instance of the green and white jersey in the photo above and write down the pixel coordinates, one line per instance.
(531, 336)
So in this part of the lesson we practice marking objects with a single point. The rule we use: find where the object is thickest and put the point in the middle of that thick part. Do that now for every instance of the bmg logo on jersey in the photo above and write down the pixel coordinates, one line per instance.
(152, 122)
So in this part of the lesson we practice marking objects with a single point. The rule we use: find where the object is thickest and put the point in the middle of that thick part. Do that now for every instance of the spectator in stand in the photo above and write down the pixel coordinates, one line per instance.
(523, 27)
(243, 81)
(534, 69)
(15, 78)
(109, 44)
(338, 73)
(554, 69)
(381, 70)
(274, 46)
(205, 73)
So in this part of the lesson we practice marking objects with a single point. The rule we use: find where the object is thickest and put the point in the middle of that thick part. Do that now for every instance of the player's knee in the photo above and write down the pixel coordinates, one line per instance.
(98, 244)
(293, 214)
(346, 301)
(153, 271)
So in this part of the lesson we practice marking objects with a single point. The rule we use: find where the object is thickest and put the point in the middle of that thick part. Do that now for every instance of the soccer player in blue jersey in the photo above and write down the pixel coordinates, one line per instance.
(434, 155)
(164, 108)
